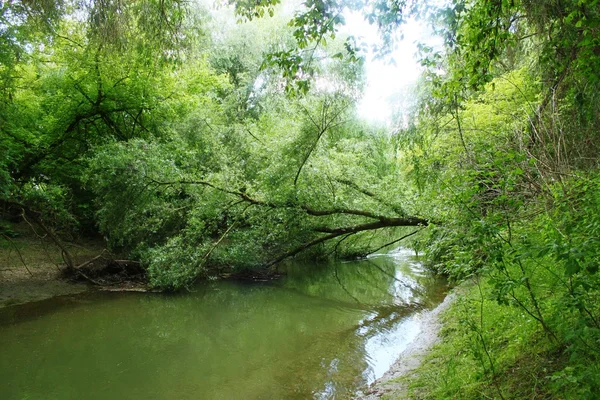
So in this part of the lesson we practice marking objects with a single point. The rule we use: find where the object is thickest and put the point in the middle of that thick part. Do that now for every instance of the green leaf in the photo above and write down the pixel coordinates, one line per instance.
(572, 267)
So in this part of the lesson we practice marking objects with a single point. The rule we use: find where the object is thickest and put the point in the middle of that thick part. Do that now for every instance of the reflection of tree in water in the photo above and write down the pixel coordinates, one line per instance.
(287, 342)
(337, 277)
(341, 282)
(368, 283)
(410, 287)
(306, 334)
(373, 285)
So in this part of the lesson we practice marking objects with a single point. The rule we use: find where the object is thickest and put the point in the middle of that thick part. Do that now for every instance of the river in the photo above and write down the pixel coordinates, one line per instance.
(321, 332)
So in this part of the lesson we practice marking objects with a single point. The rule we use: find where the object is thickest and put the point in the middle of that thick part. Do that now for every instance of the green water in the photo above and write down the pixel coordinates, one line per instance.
(320, 332)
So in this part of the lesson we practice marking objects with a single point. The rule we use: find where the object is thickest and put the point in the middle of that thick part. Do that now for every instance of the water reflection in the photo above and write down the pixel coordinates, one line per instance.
(322, 332)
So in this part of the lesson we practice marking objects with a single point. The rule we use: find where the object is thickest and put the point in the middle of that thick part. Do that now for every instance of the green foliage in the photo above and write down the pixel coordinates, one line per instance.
(529, 325)
(197, 213)
(500, 153)
(190, 159)
(175, 264)
(248, 10)
(190, 156)
(487, 351)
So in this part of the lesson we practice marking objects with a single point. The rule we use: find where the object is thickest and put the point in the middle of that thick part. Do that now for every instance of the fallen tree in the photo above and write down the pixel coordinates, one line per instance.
(380, 222)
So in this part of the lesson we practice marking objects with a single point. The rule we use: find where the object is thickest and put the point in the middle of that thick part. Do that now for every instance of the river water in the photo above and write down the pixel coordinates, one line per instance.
(320, 332)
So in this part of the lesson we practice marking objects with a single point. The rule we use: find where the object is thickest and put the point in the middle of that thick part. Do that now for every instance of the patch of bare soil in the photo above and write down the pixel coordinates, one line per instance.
(32, 268)
(389, 385)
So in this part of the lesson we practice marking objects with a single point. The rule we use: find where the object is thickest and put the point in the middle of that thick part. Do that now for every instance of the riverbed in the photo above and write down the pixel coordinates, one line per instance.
(321, 331)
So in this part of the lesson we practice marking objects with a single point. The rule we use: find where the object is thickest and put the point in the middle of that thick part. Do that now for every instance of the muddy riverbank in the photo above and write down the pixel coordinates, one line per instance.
(32, 267)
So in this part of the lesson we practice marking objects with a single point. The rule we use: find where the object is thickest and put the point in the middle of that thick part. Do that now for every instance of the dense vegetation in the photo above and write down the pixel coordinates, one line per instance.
(201, 148)
(186, 151)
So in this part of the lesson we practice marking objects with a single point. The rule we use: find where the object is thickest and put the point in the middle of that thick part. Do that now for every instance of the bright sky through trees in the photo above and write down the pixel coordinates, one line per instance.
(386, 76)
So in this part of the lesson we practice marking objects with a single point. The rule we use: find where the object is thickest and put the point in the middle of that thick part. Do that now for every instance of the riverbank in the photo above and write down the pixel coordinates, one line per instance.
(393, 384)
(32, 268)
(491, 350)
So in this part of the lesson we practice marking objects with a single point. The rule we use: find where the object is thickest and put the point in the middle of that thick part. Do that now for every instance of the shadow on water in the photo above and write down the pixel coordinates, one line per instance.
(322, 331)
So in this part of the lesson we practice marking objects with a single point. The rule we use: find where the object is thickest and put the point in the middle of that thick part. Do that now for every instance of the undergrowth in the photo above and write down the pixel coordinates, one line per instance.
(488, 351)
(528, 323)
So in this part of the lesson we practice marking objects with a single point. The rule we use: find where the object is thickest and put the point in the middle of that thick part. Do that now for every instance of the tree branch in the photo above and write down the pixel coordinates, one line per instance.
(394, 241)
(309, 210)
(333, 233)
(370, 194)
(321, 128)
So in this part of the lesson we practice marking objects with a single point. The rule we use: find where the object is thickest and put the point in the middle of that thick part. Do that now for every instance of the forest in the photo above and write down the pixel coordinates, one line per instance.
(202, 149)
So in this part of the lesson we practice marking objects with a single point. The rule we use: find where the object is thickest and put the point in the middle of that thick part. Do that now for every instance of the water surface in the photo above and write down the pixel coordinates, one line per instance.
(321, 332)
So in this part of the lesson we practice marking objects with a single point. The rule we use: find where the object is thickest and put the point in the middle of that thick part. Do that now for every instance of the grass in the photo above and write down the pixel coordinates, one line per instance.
(488, 351)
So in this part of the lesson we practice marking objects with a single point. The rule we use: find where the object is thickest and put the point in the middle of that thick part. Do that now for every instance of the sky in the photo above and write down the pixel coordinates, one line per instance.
(386, 78)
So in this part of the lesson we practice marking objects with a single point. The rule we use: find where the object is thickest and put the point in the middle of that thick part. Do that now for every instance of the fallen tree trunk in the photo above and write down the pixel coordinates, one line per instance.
(381, 221)
(336, 232)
